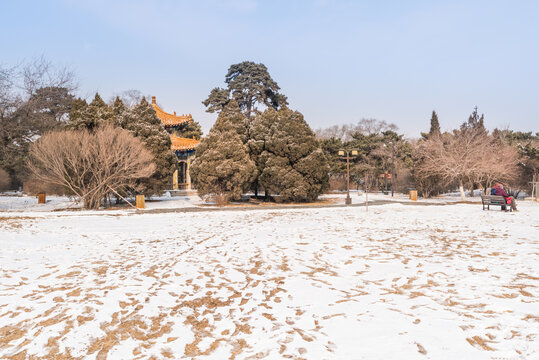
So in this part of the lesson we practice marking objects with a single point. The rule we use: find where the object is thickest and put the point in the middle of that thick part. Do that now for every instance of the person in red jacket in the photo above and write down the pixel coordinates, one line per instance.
(508, 199)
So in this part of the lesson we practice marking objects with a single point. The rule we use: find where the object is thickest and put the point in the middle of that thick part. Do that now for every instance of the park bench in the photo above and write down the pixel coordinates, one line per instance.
(488, 200)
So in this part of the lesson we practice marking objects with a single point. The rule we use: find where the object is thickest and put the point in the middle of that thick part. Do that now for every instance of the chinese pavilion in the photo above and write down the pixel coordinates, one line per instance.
(183, 148)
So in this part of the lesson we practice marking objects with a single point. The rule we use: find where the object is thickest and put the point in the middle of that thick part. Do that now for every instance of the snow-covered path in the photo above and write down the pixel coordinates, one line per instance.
(407, 282)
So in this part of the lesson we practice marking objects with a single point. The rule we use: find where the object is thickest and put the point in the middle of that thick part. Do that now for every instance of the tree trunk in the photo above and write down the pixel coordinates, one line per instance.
(461, 189)
(248, 112)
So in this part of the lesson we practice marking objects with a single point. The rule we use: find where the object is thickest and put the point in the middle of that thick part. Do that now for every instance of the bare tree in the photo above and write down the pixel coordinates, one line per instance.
(499, 163)
(41, 73)
(466, 156)
(374, 126)
(8, 98)
(91, 165)
(130, 98)
(34, 98)
(345, 132)
(12, 132)
(342, 132)
(448, 157)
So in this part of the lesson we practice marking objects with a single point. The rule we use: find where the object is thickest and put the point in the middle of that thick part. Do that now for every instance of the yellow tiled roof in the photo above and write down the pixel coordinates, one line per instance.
(179, 143)
(170, 119)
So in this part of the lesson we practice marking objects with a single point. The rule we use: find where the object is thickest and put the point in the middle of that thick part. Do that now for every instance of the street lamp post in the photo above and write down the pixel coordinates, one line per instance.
(349, 156)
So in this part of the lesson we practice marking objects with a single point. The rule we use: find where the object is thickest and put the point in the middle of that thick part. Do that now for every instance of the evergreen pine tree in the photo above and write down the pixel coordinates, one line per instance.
(232, 117)
(249, 84)
(434, 125)
(191, 131)
(119, 110)
(143, 123)
(287, 155)
(78, 107)
(222, 166)
(89, 117)
(475, 123)
(47, 109)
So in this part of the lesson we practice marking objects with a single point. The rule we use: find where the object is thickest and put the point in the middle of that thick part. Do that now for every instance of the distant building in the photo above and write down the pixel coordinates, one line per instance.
(184, 148)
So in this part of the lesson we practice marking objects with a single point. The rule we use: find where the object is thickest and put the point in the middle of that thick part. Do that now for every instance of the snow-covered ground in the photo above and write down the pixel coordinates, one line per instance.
(56, 203)
(24, 203)
(29, 203)
(401, 281)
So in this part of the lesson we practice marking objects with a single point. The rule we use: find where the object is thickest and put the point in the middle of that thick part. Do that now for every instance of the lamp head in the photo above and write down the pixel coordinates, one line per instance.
(354, 153)
(341, 152)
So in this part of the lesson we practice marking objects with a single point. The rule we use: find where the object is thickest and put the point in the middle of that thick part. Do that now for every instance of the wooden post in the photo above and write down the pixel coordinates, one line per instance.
(41, 198)
(140, 202)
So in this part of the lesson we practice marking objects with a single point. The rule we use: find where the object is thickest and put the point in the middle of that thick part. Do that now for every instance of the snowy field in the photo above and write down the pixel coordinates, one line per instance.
(401, 281)
(55, 203)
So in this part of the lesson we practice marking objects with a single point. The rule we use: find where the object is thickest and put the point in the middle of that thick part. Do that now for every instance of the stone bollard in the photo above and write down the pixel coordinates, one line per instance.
(140, 202)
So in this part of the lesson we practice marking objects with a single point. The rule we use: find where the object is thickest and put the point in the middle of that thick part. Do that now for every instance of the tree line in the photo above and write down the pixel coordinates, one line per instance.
(466, 158)
(35, 98)
(101, 150)
(95, 151)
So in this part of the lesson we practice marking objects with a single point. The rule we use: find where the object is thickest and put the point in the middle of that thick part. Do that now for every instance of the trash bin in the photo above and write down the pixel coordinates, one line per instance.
(413, 195)
(41, 198)
(140, 202)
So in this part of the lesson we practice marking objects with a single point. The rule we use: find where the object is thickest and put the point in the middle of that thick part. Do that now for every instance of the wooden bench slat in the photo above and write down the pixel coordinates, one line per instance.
(493, 200)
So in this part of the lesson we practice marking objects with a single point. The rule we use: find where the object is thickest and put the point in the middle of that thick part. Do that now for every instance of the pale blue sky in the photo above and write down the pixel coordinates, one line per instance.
(336, 60)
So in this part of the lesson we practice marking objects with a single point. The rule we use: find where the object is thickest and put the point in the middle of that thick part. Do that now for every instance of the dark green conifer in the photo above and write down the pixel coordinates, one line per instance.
(143, 123)
(475, 123)
(89, 117)
(287, 155)
(222, 166)
(191, 131)
(249, 84)
(119, 110)
(78, 107)
(434, 125)
(232, 117)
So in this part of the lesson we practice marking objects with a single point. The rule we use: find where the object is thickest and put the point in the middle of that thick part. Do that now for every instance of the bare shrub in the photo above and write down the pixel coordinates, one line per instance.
(91, 165)
(4, 180)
